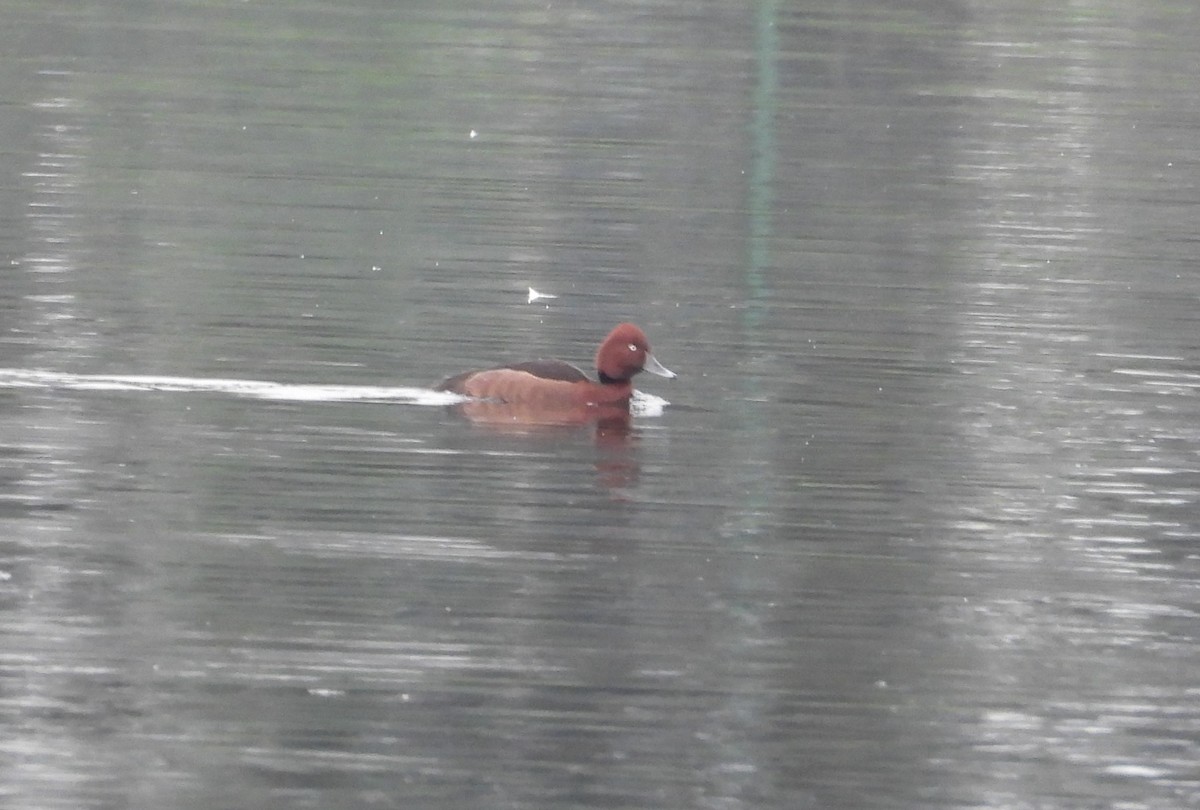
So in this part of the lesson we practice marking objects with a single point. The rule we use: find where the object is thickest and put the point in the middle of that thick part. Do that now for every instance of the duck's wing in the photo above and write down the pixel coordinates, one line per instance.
(551, 370)
(543, 369)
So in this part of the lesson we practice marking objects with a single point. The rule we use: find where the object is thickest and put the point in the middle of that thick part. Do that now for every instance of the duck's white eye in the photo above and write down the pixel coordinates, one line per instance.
(633, 347)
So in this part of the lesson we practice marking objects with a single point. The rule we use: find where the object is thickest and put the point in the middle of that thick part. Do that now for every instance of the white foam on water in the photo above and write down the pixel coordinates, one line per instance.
(535, 295)
(255, 389)
(641, 404)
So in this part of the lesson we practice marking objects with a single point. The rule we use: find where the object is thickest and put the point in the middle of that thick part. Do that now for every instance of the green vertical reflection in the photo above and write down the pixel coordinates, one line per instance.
(735, 722)
(754, 504)
(762, 165)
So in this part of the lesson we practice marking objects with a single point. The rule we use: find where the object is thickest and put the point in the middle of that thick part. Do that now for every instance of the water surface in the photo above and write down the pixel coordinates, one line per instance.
(917, 529)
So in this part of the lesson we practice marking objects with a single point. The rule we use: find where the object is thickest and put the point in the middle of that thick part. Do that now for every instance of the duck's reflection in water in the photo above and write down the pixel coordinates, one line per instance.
(611, 429)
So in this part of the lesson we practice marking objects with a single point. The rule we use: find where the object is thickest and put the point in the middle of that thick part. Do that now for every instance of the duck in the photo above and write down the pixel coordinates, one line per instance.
(542, 388)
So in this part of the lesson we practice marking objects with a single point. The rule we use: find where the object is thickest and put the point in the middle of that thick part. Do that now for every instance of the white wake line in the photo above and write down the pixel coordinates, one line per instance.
(642, 404)
(256, 389)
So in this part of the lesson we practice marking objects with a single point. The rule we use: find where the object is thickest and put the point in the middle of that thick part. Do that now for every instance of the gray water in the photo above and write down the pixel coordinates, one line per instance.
(919, 527)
